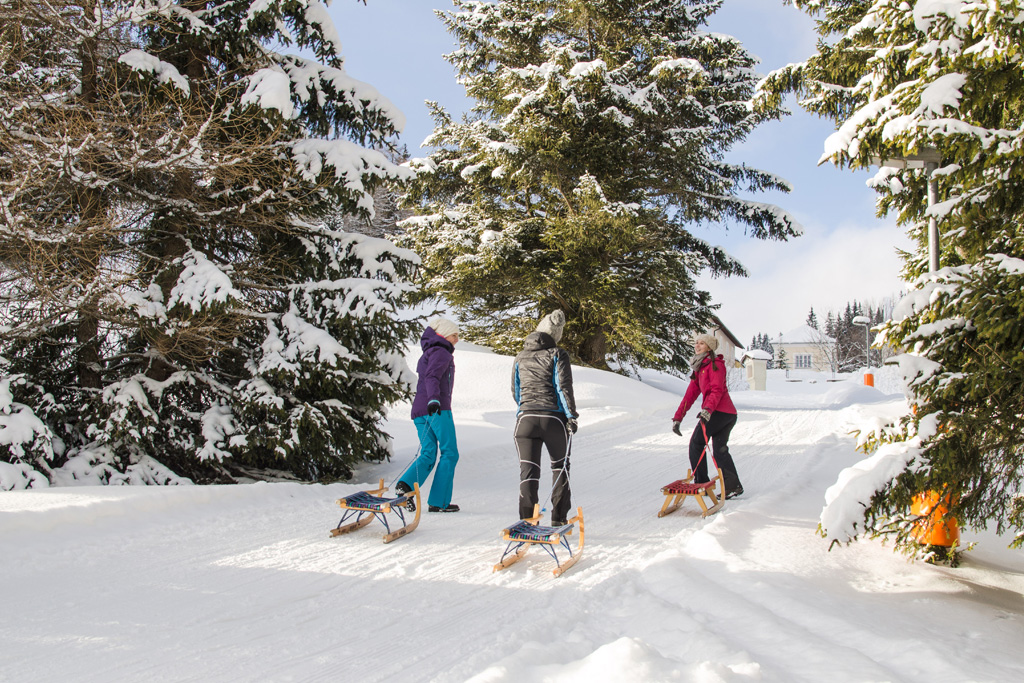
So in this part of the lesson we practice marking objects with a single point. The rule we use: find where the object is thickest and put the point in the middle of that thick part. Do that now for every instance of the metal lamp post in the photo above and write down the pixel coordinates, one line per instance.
(865, 322)
(929, 159)
(933, 528)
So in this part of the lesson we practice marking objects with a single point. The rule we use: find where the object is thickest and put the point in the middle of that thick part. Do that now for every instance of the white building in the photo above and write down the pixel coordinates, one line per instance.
(805, 348)
(727, 343)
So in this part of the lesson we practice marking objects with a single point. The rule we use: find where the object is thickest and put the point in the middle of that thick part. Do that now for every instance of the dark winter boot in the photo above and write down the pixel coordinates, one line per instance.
(451, 508)
(402, 489)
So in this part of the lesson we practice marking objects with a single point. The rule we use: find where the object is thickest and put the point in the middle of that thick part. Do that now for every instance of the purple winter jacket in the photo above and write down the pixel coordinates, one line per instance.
(436, 370)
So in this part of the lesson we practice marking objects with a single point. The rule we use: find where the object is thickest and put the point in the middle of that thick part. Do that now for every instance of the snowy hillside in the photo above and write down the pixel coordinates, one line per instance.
(244, 583)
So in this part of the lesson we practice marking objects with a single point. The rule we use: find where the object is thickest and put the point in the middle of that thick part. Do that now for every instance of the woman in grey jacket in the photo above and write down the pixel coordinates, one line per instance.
(542, 388)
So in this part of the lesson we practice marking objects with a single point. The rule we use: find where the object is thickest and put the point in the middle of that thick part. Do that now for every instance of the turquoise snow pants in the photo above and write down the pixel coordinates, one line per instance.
(435, 431)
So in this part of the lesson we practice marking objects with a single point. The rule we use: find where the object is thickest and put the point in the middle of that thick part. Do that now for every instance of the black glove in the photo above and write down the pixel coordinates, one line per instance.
(572, 425)
(675, 427)
(433, 408)
(705, 415)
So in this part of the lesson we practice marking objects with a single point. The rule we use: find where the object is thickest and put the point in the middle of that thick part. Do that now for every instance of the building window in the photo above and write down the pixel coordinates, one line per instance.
(802, 360)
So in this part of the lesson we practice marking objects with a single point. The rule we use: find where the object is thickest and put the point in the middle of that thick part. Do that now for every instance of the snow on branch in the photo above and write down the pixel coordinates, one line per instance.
(316, 14)
(218, 425)
(847, 499)
(683, 64)
(374, 253)
(19, 425)
(20, 476)
(201, 283)
(296, 340)
(270, 89)
(351, 163)
(308, 78)
(928, 12)
(139, 60)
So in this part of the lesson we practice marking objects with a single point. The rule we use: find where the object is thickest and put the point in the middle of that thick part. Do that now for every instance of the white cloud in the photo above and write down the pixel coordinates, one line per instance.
(824, 268)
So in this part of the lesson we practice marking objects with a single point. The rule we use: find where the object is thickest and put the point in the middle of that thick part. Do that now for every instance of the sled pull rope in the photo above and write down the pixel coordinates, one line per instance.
(707, 441)
(403, 470)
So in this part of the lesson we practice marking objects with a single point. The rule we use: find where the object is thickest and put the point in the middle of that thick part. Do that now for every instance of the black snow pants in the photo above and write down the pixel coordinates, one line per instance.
(718, 427)
(533, 430)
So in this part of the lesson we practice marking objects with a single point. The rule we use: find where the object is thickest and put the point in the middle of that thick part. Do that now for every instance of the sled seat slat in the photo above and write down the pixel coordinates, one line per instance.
(524, 531)
(687, 487)
(370, 503)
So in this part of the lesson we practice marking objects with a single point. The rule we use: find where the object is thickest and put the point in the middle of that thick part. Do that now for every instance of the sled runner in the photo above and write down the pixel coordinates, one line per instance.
(677, 491)
(527, 532)
(365, 506)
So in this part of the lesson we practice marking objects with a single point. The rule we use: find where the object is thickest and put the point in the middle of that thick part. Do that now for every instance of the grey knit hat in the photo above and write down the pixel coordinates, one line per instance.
(444, 327)
(709, 339)
(553, 323)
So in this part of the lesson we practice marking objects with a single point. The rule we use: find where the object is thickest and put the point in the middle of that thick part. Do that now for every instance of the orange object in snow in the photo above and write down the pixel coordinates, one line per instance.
(931, 528)
(869, 379)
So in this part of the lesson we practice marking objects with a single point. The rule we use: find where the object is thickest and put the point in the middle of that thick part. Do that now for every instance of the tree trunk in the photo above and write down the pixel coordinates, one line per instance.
(169, 248)
(90, 217)
(87, 336)
(594, 350)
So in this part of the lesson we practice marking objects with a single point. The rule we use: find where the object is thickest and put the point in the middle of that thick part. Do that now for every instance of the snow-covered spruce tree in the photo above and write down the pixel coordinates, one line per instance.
(165, 175)
(902, 77)
(596, 143)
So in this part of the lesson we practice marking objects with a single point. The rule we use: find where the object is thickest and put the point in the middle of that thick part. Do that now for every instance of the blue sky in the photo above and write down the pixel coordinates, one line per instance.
(846, 252)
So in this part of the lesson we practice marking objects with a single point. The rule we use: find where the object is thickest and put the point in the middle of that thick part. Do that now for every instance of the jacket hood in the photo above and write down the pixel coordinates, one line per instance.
(431, 338)
(537, 341)
(712, 357)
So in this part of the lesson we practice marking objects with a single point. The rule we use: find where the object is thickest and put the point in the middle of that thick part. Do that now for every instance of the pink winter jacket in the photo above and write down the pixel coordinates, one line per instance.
(709, 381)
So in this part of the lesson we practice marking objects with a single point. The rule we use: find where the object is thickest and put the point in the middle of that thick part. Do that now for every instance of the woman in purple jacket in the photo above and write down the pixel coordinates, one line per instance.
(432, 415)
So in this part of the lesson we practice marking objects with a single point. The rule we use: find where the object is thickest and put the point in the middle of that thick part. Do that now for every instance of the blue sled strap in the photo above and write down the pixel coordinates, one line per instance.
(528, 532)
(362, 507)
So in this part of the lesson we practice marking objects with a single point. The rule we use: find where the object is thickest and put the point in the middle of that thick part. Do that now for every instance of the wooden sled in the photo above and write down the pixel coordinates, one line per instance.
(366, 506)
(528, 532)
(677, 491)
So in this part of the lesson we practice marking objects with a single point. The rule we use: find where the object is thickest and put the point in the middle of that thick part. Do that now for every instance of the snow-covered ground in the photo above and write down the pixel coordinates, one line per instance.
(244, 583)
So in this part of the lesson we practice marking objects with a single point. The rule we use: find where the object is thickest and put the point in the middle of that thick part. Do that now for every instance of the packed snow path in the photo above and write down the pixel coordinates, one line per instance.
(244, 583)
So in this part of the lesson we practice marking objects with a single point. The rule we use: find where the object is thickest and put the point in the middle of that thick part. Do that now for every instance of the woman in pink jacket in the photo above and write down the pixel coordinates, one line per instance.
(717, 414)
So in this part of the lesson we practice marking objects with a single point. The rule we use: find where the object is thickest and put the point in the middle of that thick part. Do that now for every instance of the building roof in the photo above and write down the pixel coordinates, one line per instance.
(804, 334)
(719, 325)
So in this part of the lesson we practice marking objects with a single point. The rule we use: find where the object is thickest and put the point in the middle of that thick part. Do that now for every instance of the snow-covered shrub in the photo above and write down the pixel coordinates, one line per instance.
(26, 442)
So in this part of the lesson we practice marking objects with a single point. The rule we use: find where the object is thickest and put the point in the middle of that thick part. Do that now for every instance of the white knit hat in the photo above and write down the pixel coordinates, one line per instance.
(709, 339)
(444, 327)
(553, 323)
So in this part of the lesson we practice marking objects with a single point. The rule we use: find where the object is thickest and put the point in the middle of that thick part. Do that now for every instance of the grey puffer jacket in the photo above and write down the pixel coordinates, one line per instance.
(542, 377)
